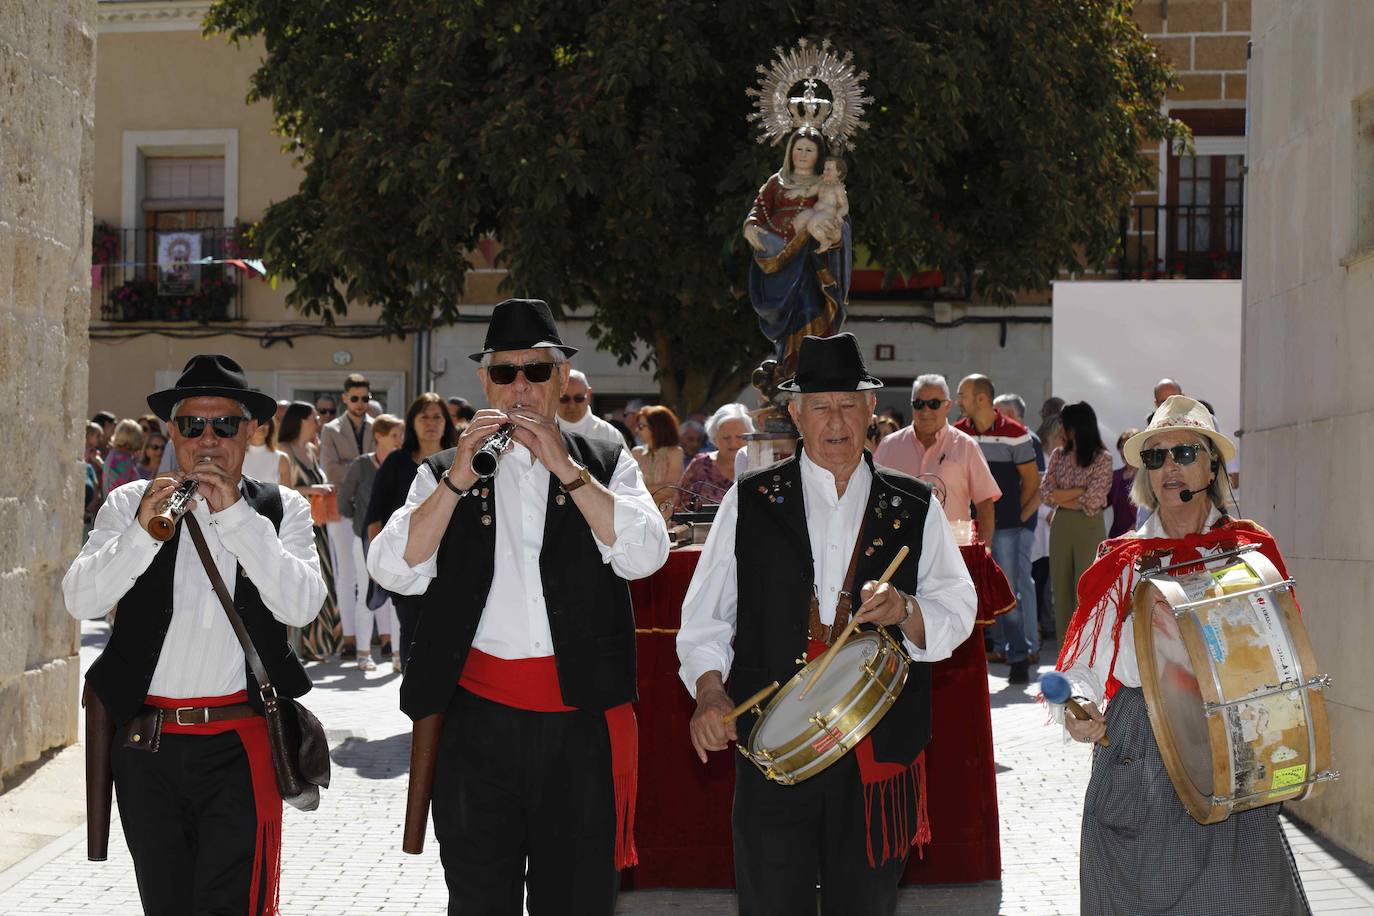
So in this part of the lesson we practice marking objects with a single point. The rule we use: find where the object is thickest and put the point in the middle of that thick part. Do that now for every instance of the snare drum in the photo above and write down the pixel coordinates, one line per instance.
(1233, 690)
(795, 739)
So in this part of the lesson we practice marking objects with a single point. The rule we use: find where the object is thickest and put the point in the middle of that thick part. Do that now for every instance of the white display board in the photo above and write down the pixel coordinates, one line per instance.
(1114, 340)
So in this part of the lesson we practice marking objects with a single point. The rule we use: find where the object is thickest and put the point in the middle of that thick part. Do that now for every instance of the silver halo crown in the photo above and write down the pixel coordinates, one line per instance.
(837, 118)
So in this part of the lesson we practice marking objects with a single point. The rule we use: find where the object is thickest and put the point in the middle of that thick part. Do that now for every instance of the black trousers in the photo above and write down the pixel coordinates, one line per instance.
(788, 839)
(525, 800)
(1040, 572)
(407, 616)
(188, 817)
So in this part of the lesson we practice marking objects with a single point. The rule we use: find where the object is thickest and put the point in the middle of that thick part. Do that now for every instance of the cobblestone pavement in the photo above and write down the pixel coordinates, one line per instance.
(345, 858)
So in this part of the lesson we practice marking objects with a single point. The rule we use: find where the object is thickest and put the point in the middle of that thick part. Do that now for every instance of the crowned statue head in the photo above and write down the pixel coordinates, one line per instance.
(803, 157)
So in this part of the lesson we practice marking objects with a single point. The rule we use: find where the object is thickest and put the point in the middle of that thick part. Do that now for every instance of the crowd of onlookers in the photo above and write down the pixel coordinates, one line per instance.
(1039, 499)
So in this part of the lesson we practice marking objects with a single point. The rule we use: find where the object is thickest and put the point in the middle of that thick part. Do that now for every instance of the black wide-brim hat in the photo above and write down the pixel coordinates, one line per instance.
(213, 375)
(830, 364)
(521, 324)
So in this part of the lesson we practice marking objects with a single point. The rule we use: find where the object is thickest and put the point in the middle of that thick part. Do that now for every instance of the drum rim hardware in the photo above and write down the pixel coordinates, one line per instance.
(844, 724)
(1281, 618)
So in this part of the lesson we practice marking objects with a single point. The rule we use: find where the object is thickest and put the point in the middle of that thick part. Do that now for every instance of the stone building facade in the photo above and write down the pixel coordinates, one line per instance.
(1307, 395)
(47, 71)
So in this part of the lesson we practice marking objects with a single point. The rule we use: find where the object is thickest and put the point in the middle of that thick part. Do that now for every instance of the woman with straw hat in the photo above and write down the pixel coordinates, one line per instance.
(1141, 850)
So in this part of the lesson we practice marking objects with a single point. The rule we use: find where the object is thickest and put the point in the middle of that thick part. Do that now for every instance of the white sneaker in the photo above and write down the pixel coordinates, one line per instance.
(365, 663)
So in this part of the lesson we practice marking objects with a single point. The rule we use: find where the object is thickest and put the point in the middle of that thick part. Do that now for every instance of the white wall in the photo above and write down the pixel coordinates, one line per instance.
(1113, 340)
(1308, 377)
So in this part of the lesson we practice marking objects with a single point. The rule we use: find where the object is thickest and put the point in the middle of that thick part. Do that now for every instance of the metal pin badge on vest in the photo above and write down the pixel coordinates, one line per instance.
(896, 501)
(560, 499)
(486, 520)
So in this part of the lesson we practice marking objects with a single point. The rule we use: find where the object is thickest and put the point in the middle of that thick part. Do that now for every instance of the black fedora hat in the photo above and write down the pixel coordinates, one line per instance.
(212, 375)
(521, 324)
(830, 364)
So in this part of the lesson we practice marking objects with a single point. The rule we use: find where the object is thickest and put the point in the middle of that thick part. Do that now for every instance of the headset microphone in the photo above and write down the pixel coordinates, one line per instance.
(1187, 495)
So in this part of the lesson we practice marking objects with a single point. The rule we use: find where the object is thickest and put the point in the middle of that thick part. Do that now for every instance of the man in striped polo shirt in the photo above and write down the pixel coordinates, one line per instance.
(1010, 454)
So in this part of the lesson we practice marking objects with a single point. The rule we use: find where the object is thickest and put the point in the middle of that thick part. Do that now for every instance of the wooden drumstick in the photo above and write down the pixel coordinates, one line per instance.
(830, 653)
(750, 703)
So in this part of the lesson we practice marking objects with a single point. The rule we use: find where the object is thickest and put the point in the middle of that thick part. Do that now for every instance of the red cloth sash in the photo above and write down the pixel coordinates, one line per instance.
(532, 684)
(1105, 590)
(888, 790)
(252, 731)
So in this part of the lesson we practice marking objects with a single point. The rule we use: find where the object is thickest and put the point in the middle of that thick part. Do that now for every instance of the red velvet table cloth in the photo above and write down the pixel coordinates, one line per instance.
(682, 827)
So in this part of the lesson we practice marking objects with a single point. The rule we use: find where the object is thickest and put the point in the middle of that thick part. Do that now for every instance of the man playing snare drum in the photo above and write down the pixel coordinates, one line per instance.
(1141, 851)
(788, 546)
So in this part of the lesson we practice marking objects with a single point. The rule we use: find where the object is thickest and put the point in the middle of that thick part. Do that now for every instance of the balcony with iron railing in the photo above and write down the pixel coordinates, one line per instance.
(1180, 242)
(167, 275)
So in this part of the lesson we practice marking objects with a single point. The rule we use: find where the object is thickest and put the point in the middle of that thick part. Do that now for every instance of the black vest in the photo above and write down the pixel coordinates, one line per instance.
(590, 617)
(776, 573)
(125, 668)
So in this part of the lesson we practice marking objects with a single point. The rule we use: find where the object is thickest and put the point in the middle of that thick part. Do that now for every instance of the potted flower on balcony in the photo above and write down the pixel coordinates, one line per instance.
(1222, 266)
(133, 300)
(212, 302)
(1180, 271)
(104, 244)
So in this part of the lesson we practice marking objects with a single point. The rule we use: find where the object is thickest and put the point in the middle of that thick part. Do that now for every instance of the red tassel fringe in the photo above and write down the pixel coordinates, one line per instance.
(889, 798)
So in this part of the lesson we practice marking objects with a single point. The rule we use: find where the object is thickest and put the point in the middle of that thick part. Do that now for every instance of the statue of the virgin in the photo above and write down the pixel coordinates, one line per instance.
(799, 226)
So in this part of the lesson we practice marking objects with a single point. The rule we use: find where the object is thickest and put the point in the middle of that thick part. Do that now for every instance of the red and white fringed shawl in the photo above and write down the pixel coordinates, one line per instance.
(1105, 590)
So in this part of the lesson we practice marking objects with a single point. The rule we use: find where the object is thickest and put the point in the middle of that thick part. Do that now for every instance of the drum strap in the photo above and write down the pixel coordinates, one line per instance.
(827, 634)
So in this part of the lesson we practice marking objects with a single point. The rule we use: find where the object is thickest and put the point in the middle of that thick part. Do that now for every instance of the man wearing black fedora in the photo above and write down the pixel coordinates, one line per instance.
(526, 639)
(192, 773)
(773, 587)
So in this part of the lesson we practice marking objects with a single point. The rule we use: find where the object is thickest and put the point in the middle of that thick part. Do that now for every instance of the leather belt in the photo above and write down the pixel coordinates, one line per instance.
(203, 715)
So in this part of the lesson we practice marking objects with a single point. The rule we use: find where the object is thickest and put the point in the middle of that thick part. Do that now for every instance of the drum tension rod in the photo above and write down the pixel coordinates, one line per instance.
(1323, 776)
(1181, 609)
(1319, 682)
(1204, 561)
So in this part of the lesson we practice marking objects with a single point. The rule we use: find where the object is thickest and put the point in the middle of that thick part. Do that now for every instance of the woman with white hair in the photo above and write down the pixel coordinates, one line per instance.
(1141, 851)
(710, 474)
(121, 462)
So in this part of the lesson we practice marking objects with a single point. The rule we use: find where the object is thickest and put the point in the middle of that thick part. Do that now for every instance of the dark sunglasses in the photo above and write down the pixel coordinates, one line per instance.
(932, 404)
(353, 398)
(1153, 458)
(535, 373)
(565, 398)
(326, 411)
(194, 427)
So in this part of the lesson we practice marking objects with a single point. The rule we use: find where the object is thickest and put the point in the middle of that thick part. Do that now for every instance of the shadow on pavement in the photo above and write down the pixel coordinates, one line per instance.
(384, 759)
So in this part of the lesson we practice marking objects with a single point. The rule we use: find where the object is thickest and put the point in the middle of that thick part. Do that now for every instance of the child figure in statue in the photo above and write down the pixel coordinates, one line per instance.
(824, 221)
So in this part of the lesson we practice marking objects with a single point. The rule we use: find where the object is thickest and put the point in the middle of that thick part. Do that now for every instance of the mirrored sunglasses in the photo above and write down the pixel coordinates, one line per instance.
(535, 373)
(194, 427)
(1153, 458)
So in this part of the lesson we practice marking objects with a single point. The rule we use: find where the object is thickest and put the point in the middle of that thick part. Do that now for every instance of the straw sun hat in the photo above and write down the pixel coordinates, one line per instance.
(1179, 413)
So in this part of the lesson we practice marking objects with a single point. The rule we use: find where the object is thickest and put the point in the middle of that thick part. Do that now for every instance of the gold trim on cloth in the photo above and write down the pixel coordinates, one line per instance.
(774, 264)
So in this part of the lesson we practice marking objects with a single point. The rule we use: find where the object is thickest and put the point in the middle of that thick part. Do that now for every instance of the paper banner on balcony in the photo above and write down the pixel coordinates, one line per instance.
(176, 275)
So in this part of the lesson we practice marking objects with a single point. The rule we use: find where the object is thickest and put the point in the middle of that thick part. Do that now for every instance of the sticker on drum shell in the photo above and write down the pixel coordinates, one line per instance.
(826, 739)
(1287, 779)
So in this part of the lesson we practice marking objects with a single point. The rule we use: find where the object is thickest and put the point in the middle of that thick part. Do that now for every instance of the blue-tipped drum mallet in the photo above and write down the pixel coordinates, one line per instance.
(1054, 687)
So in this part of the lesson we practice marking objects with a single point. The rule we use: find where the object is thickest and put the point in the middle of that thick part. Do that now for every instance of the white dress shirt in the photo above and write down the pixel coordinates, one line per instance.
(201, 656)
(515, 621)
(944, 589)
(593, 427)
(1089, 680)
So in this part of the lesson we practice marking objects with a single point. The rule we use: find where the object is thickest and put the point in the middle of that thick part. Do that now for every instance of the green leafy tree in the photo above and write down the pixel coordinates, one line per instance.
(605, 143)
